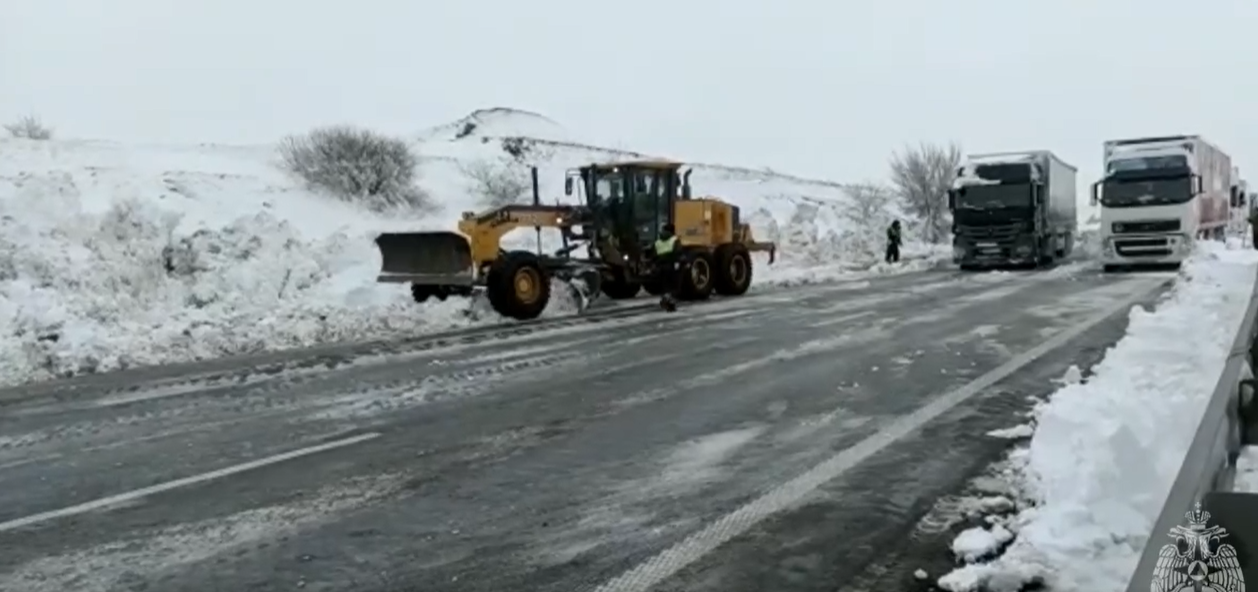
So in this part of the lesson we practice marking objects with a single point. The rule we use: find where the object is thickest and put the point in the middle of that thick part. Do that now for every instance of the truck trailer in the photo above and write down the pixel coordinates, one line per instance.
(1158, 196)
(1013, 208)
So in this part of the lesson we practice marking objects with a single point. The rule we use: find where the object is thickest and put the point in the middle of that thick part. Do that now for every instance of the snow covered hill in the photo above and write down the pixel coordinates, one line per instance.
(116, 255)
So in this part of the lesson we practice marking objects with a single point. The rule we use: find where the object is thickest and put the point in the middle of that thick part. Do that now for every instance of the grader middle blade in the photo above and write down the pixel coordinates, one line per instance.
(426, 258)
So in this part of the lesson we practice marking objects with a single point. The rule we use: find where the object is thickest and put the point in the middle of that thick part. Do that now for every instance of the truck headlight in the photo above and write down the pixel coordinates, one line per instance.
(958, 252)
(1182, 243)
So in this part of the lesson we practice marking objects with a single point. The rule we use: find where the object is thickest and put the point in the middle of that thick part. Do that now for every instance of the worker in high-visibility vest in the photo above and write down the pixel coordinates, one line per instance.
(666, 266)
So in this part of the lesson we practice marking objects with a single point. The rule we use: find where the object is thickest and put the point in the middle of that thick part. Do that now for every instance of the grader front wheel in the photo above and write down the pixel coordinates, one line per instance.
(518, 286)
(696, 276)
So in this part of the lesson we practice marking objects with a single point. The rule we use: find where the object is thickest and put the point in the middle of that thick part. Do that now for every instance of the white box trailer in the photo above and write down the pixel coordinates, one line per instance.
(1158, 196)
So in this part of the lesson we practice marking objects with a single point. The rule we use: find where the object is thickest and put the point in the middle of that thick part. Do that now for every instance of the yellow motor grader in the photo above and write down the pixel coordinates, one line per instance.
(625, 206)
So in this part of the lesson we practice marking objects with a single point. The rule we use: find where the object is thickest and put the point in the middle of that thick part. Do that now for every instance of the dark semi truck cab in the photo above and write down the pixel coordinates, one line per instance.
(1014, 208)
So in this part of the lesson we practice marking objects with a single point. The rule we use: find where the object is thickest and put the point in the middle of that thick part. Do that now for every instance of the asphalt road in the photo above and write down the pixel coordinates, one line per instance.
(784, 441)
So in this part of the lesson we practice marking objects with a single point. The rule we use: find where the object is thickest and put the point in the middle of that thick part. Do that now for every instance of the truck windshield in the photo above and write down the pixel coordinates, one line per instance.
(1171, 162)
(1160, 192)
(987, 197)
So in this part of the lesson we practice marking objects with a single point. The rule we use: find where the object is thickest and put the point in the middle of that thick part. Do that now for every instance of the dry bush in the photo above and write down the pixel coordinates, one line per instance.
(921, 177)
(29, 127)
(357, 165)
(497, 183)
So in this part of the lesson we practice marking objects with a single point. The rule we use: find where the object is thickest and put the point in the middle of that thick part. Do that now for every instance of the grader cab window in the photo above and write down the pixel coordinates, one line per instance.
(608, 188)
(650, 207)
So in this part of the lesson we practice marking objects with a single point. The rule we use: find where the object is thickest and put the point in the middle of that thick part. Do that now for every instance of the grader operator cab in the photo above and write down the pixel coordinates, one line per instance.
(625, 206)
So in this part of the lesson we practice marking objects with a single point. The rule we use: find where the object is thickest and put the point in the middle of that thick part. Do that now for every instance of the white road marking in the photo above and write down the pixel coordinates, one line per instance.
(843, 319)
(105, 502)
(672, 560)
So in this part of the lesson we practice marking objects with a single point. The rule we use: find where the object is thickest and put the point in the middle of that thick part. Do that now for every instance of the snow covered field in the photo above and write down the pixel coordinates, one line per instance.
(120, 255)
(1105, 449)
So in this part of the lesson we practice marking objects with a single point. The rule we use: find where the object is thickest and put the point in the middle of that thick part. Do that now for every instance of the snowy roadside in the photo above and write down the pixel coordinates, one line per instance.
(1105, 450)
(916, 257)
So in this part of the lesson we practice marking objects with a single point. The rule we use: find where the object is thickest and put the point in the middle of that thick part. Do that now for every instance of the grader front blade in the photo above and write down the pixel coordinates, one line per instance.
(425, 258)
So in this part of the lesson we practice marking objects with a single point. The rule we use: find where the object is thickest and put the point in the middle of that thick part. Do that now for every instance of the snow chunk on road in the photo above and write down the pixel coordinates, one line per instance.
(1073, 375)
(1104, 453)
(978, 542)
(1015, 432)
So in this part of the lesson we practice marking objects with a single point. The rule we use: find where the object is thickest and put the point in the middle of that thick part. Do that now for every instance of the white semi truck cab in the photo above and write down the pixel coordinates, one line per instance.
(1158, 196)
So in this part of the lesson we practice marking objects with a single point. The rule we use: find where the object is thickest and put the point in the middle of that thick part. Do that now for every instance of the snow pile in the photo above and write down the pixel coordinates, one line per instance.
(83, 292)
(116, 255)
(979, 542)
(1105, 451)
(497, 122)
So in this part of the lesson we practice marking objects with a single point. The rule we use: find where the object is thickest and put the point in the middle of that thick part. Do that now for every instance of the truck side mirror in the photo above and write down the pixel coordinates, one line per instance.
(1196, 185)
(567, 186)
(952, 199)
(1096, 193)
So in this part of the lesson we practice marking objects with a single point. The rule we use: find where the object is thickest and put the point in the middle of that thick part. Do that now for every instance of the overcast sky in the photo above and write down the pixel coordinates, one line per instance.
(823, 88)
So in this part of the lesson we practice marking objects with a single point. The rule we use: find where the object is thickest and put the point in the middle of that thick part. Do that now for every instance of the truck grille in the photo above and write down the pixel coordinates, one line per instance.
(1145, 226)
(1000, 233)
(1142, 247)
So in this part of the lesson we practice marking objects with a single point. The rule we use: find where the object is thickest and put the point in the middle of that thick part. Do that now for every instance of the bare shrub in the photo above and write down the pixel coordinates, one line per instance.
(922, 177)
(497, 183)
(871, 203)
(29, 127)
(868, 208)
(356, 165)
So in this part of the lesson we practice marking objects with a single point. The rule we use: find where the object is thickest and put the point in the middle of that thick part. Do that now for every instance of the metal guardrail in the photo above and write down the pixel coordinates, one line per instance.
(1209, 468)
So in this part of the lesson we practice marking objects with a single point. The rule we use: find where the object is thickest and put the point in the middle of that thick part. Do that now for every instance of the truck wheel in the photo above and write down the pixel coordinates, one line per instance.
(696, 281)
(1046, 251)
(518, 286)
(618, 287)
(733, 270)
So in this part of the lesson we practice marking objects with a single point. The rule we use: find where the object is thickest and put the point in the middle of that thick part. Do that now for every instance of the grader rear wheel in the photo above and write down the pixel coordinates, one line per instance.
(733, 270)
(518, 286)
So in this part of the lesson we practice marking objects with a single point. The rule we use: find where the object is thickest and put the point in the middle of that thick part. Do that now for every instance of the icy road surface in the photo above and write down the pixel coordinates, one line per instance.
(784, 441)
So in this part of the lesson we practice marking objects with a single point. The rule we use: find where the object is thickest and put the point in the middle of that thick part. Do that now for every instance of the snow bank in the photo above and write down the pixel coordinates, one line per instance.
(1105, 451)
(117, 255)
